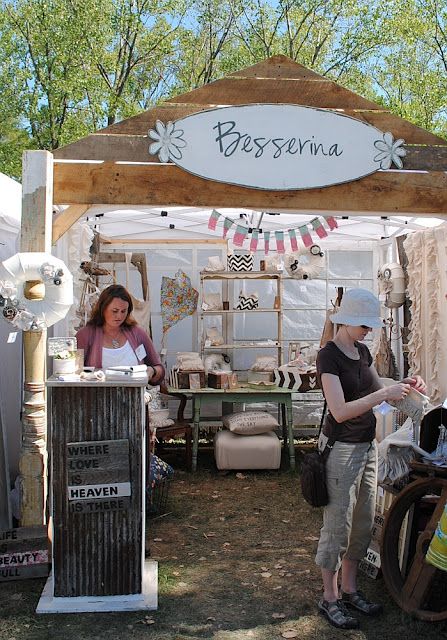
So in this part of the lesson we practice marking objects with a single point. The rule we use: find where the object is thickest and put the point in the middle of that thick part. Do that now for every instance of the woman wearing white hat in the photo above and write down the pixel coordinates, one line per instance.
(352, 388)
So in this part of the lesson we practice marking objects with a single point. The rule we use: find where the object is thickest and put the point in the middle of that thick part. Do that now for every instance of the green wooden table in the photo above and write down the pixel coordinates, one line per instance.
(240, 394)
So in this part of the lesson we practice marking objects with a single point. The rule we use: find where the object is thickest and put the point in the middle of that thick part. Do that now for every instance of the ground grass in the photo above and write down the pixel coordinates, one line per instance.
(236, 561)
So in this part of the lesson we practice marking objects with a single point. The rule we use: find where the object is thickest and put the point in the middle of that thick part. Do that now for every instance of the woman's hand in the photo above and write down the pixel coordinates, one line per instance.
(397, 391)
(417, 383)
(151, 372)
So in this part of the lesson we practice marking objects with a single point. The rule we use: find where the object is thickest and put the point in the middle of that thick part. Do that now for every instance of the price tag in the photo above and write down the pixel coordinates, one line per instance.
(12, 337)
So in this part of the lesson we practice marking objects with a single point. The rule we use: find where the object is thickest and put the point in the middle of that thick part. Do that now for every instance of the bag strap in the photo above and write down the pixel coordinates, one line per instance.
(330, 443)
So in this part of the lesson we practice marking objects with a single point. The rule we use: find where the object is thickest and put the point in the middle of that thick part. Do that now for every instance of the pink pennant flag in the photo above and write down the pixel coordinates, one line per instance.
(305, 236)
(228, 223)
(279, 235)
(266, 242)
(254, 239)
(293, 241)
(239, 235)
(212, 222)
(331, 222)
(318, 227)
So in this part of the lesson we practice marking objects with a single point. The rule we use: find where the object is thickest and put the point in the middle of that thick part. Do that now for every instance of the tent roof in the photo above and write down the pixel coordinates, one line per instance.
(140, 224)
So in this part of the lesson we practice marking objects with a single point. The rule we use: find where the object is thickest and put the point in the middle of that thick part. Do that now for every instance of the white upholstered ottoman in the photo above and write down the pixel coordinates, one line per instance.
(233, 451)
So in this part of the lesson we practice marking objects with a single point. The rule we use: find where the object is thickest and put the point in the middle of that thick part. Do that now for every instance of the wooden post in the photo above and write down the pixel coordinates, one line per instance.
(36, 232)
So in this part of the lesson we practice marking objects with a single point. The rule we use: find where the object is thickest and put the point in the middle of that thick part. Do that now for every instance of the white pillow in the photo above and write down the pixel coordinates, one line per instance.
(250, 423)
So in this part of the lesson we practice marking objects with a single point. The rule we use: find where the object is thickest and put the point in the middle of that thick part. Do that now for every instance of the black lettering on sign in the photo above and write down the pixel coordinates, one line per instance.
(23, 539)
(24, 572)
(86, 506)
(97, 449)
(86, 492)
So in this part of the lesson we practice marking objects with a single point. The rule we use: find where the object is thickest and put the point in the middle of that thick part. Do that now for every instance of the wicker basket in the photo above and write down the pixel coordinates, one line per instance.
(157, 497)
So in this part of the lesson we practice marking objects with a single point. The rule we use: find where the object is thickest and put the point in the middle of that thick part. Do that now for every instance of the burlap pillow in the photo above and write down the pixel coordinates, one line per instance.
(250, 423)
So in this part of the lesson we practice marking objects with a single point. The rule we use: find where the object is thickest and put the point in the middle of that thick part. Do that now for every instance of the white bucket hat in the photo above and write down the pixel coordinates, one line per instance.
(358, 307)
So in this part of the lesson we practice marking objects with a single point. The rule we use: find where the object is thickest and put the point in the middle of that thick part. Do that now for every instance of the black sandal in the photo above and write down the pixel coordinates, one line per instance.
(360, 602)
(337, 614)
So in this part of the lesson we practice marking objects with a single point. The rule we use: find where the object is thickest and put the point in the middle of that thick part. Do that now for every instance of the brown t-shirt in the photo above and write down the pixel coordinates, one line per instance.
(356, 380)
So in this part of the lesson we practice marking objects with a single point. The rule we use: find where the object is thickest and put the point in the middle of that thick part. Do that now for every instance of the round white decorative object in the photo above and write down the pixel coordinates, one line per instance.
(392, 284)
(306, 263)
(36, 314)
(67, 365)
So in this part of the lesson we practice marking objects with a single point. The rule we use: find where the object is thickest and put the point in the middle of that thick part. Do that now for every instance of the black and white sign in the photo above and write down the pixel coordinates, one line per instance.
(275, 146)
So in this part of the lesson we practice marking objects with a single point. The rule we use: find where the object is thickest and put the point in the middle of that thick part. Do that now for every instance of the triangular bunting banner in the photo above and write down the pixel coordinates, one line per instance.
(212, 222)
(228, 223)
(254, 239)
(305, 236)
(266, 242)
(331, 222)
(293, 241)
(280, 241)
(239, 235)
(318, 227)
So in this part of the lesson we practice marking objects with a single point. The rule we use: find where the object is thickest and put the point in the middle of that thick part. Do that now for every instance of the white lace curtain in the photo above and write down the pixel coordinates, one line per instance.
(427, 288)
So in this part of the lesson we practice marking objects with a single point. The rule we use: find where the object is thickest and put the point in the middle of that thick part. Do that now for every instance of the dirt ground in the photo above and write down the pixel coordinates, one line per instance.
(236, 561)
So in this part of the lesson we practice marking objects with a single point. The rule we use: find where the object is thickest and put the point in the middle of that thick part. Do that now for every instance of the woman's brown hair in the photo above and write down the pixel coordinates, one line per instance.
(106, 297)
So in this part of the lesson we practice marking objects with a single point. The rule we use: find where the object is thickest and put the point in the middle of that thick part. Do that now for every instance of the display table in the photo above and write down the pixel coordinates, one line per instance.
(242, 393)
(97, 490)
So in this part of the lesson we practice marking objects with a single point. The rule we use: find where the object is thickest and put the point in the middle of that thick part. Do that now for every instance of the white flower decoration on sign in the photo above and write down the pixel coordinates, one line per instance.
(168, 141)
(390, 151)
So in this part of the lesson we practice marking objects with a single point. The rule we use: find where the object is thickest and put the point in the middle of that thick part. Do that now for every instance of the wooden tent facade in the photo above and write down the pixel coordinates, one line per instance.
(421, 188)
(113, 166)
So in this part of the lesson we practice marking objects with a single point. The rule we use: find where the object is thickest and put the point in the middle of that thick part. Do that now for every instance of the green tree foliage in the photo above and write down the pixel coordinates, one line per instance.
(69, 67)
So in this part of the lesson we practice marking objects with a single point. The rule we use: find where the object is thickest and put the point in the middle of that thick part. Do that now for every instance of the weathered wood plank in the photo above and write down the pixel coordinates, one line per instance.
(314, 92)
(107, 183)
(24, 553)
(276, 67)
(135, 148)
(37, 201)
(63, 221)
(24, 572)
(37, 211)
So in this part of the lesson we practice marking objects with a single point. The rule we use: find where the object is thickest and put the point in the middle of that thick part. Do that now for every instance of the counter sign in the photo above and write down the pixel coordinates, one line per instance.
(98, 476)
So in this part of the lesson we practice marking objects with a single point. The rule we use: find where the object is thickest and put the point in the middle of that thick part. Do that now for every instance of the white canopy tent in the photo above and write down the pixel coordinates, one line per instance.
(10, 344)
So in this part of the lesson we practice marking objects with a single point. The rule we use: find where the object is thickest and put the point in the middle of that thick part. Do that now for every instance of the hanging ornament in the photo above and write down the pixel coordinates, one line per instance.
(212, 222)
(266, 242)
(331, 222)
(318, 227)
(279, 235)
(305, 236)
(239, 235)
(254, 239)
(228, 223)
(293, 241)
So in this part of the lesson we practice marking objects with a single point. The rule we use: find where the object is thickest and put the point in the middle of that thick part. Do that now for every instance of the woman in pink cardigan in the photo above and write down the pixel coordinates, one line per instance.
(112, 337)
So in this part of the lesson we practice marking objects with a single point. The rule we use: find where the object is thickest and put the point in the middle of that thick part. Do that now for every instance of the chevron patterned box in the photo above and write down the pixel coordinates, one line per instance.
(240, 262)
(291, 378)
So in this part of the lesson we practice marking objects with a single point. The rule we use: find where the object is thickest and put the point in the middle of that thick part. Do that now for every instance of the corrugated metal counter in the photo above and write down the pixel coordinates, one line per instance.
(97, 487)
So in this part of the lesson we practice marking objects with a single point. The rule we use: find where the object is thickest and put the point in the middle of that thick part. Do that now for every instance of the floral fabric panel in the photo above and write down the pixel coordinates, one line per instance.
(178, 299)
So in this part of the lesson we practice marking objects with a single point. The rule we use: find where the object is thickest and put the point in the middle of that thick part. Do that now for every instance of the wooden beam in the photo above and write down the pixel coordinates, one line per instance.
(37, 201)
(63, 221)
(37, 211)
(393, 192)
(132, 133)
(135, 148)
(315, 92)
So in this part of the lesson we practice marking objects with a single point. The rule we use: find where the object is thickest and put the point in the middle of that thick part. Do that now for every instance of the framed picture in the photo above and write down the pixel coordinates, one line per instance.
(194, 380)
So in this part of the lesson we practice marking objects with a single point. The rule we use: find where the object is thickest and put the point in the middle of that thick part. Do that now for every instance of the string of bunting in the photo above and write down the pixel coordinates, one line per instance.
(316, 225)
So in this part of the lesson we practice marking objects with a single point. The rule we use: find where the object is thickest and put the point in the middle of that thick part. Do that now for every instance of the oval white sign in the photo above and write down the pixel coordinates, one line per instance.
(275, 146)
